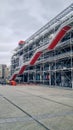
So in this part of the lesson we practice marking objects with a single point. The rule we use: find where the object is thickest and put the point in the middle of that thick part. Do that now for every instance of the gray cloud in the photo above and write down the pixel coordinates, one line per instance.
(19, 19)
(5, 57)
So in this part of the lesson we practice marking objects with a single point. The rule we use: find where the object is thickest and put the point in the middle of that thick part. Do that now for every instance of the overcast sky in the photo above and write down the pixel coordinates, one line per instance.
(19, 19)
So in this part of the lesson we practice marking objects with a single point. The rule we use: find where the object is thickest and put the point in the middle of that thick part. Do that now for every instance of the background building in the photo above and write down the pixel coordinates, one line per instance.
(47, 56)
(4, 71)
(0, 71)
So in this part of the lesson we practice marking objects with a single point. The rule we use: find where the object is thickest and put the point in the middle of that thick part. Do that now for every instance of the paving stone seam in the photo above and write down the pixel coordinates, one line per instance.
(39, 122)
(48, 99)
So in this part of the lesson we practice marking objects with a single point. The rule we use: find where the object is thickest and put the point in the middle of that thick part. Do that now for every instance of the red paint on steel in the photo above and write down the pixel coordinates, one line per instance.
(21, 42)
(22, 69)
(35, 58)
(58, 37)
(13, 77)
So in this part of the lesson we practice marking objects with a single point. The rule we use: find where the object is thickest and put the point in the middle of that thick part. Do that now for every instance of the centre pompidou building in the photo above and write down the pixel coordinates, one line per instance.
(47, 56)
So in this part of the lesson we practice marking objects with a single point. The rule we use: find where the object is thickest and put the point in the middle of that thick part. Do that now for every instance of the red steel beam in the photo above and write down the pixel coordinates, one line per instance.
(35, 58)
(58, 37)
(13, 77)
(22, 69)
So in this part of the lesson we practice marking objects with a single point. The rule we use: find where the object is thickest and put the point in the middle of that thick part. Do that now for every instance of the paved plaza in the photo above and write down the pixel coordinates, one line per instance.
(34, 107)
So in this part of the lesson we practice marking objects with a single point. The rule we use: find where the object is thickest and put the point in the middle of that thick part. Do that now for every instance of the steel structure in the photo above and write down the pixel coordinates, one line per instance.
(47, 56)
